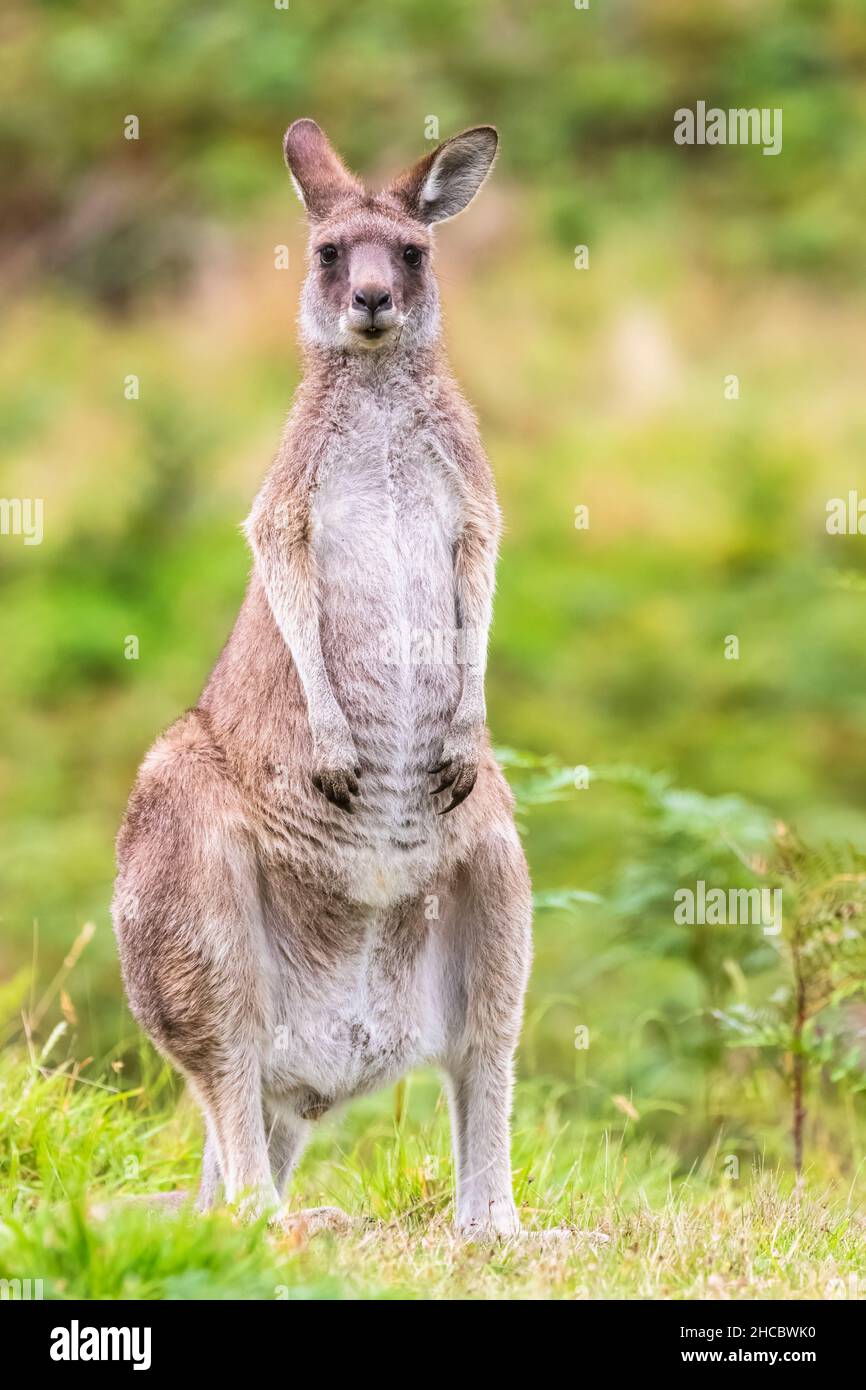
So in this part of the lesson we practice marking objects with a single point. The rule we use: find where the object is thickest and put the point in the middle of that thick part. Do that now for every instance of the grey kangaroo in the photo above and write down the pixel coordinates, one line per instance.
(320, 885)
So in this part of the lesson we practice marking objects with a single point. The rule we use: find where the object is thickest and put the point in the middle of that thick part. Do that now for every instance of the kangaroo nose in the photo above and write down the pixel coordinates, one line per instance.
(371, 297)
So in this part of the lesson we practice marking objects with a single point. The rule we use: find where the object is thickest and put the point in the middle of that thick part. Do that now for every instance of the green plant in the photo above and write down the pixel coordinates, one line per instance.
(814, 1022)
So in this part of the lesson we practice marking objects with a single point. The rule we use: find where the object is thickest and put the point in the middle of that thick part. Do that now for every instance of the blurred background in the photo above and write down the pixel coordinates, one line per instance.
(600, 386)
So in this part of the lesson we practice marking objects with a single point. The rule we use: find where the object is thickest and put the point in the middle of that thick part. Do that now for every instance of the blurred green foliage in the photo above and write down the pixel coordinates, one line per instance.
(584, 99)
(602, 388)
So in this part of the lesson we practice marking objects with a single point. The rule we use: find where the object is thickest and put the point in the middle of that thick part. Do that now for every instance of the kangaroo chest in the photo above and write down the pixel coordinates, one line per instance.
(385, 518)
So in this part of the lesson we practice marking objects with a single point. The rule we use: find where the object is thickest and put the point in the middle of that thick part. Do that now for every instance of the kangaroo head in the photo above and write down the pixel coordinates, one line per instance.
(370, 281)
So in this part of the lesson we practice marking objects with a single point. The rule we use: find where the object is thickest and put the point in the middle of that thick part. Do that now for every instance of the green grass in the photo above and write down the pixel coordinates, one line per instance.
(75, 1152)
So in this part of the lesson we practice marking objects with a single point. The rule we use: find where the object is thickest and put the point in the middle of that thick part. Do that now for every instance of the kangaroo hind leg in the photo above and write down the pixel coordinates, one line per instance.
(492, 947)
(189, 927)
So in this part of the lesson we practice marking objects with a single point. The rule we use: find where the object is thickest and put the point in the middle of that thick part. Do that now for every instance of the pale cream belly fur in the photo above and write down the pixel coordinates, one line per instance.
(393, 654)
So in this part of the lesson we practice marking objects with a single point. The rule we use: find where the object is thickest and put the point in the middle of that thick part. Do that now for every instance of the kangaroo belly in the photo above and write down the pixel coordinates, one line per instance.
(384, 531)
(377, 1012)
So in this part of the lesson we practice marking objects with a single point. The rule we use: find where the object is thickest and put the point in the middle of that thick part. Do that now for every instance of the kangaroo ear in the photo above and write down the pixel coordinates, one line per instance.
(320, 177)
(442, 183)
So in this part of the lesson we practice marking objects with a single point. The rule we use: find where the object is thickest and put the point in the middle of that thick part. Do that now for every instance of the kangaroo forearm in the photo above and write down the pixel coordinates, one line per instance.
(287, 572)
(474, 579)
(300, 632)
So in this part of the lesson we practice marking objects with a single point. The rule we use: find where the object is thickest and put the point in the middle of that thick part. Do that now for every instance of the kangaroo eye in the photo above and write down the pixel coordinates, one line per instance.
(328, 254)
(412, 256)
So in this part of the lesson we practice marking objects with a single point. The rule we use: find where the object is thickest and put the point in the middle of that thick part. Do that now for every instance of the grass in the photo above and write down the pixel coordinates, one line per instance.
(75, 1148)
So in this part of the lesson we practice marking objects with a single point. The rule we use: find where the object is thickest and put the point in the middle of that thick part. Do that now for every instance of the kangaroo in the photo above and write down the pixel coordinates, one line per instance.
(320, 885)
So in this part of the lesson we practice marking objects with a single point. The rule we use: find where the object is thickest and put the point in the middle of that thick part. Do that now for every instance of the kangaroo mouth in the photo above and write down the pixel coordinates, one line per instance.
(374, 335)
